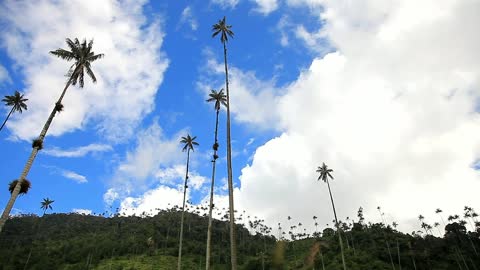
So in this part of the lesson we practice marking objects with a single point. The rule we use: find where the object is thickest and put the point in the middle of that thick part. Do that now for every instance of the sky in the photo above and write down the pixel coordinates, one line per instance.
(385, 92)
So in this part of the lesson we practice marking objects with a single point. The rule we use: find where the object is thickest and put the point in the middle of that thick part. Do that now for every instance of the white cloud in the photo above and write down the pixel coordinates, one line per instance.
(79, 151)
(128, 76)
(155, 160)
(110, 196)
(75, 176)
(82, 211)
(253, 100)
(225, 4)
(188, 17)
(4, 76)
(265, 6)
(392, 112)
(149, 202)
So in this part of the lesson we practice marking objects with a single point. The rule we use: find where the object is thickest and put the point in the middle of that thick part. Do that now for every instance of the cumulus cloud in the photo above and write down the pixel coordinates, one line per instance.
(156, 162)
(80, 151)
(151, 201)
(128, 76)
(392, 111)
(82, 211)
(75, 176)
(4, 76)
(266, 6)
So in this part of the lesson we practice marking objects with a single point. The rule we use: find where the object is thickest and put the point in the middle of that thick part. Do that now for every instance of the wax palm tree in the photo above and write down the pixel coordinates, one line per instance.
(83, 56)
(325, 174)
(46, 204)
(385, 237)
(188, 144)
(225, 31)
(17, 102)
(24, 187)
(220, 99)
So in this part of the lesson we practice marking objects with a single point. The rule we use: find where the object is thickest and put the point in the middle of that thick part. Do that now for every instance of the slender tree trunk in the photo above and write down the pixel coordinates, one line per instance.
(386, 241)
(338, 227)
(179, 263)
(398, 252)
(6, 119)
(233, 245)
(30, 160)
(209, 230)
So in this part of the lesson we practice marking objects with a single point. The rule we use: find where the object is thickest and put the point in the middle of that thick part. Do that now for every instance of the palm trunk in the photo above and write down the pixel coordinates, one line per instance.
(338, 227)
(6, 119)
(179, 263)
(386, 241)
(398, 252)
(30, 160)
(209, 231)
(233, 245)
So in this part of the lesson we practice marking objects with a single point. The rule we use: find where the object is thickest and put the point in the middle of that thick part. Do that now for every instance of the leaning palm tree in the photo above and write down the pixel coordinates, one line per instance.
(225, 31)
(220, 99)
(46, 204)
(188, 142)
(326, 173)
(83, 56)
(17, 102)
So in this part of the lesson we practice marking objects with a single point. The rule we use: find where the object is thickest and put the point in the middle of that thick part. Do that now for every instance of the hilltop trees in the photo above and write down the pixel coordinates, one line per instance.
(224, 30)
(83, 57)
(17, 101)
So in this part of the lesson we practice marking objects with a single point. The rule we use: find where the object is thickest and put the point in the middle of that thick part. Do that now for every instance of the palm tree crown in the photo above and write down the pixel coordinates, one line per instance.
(16, 101)
(189, 142)
(325, 173)
(83, 55)
(218, 97)
(46, 204)
(224, 29)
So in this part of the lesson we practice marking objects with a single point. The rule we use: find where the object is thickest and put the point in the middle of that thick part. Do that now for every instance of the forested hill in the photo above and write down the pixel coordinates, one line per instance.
(74, 241)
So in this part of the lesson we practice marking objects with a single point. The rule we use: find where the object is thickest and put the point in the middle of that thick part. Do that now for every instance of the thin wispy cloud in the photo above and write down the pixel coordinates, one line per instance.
(80, 151)
(74, 176)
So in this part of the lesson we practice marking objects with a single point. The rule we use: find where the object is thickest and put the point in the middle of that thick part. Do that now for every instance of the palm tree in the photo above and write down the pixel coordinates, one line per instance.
(385, 237)
(326, 173)
(17, 102)
(188, 142)
(83, 56)
(220, 99)
(225, 31)
(46, 204)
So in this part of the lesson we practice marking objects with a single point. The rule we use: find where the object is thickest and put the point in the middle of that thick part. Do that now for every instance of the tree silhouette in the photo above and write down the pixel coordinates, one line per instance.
(325, 174)
(220, 99)
(17, 102)
(225, 31)
(188, 144)
(83, 56)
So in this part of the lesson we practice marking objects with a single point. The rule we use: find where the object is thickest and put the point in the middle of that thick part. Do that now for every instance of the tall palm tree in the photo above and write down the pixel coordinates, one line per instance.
(17, 102)
(326, 173)
(188, 144)
(46, 204)
(385, 237)
(83, 56)
(225, 31)
(220, 99)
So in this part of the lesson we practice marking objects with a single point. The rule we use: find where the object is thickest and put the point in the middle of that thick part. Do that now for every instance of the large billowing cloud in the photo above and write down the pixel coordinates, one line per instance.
(128, 76)
(392, 111)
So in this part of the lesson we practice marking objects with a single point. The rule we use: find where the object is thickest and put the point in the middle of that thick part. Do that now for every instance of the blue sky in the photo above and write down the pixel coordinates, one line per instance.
(312, 81)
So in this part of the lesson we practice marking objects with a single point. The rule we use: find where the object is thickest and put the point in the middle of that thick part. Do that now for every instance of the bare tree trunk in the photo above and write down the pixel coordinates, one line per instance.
(338, 227)
(209, 230)
(233, 245)
(30, 160)
(179, 263)
(6, 119)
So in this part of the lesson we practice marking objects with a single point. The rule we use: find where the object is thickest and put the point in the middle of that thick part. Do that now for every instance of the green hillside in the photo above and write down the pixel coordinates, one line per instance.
(73, 241)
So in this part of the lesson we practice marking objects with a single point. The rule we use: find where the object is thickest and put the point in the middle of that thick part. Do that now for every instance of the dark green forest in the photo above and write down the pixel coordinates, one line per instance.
(74, 241)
